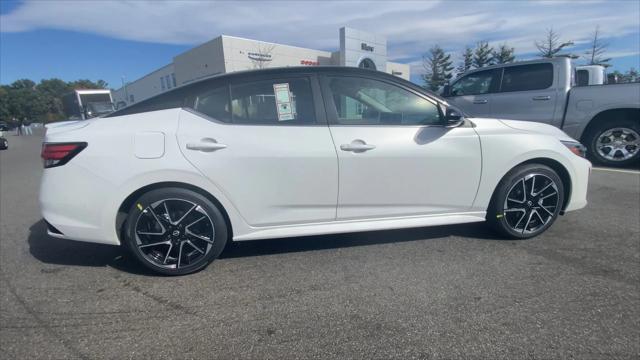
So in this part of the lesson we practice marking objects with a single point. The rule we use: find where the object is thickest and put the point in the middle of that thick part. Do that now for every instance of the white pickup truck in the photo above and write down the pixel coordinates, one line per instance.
(605, 118)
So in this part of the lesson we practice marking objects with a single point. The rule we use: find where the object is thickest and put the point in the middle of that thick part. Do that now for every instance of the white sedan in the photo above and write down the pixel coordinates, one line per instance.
(293, 152)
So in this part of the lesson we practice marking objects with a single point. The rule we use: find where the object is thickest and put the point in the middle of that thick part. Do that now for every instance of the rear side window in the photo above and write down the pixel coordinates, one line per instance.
(582, 78)
(273, 102)
(214, 103)
(527, 77)
(473, 84)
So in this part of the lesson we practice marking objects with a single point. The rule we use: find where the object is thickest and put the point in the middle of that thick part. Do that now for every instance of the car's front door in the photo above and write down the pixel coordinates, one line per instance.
(395, 157)
(267, 146)
(473, 93)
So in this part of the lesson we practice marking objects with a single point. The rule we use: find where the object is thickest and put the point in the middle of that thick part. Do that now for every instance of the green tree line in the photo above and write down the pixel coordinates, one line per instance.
(25, 100)
(439, 68)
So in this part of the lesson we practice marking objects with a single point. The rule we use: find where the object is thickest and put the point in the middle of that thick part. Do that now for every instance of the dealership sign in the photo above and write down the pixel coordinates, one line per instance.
(365, 47)
(309, 62)
(259, 57)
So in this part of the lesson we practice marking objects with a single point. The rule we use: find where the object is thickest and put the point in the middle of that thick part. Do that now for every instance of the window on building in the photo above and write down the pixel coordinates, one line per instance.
(173, 79)
(214, 103)
(474, 84)
(361, 101)
(168, 82)
(527, 77)
(131, 99)
(162, 83)
(258, 103)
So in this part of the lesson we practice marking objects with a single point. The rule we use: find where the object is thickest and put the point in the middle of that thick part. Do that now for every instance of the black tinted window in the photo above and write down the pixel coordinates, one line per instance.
(582, 78)
(527, 77)
(282, 101)
(214, 103)
(361, 101)
(473, 84)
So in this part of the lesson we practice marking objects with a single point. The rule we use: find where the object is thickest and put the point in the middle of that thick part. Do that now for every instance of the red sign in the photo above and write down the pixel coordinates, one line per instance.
(309, 62)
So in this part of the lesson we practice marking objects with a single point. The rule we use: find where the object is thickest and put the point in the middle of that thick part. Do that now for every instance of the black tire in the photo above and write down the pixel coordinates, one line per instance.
(600, 129)
(194, 223)
(502, 215)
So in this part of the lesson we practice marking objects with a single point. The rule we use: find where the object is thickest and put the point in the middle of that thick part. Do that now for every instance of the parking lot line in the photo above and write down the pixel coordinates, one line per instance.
(617, 170)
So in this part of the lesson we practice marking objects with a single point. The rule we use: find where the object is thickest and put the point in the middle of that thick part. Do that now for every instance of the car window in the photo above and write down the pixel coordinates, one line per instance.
(214, 103)
(527, 77)
(277, 102)
(361, 101)
(582, 78)
(473, 84)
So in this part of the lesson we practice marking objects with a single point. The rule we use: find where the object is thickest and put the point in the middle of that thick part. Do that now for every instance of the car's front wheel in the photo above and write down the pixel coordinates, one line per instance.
(175, 231)
(526, 202)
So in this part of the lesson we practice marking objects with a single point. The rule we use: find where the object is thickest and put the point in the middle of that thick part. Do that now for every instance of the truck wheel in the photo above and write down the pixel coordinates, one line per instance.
(615, 142)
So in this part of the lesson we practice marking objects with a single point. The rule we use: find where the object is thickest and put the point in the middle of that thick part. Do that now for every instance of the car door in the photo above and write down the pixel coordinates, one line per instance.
(395, 157)
(266, 145)
(527, 92)
(473, 92)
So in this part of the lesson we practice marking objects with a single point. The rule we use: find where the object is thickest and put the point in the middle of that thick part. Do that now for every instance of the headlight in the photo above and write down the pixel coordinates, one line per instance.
(575, 147)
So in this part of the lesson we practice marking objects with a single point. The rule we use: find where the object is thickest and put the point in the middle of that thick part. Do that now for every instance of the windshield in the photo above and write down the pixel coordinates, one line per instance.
(101, 108)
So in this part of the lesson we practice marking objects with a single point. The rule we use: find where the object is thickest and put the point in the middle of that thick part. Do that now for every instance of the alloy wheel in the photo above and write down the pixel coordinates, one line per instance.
(531, 203)
(174, 233)
(618, 144)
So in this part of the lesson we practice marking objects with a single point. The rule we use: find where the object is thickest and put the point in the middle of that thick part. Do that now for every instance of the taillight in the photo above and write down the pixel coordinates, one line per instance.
(57, 154)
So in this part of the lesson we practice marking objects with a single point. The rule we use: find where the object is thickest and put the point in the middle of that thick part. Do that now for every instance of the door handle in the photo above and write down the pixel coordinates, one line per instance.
(480, 101)
(357, 146)
(206, 145)
(542, 97)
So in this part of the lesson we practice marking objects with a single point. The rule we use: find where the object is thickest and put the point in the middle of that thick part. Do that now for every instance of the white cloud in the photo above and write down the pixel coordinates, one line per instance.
(411, 26)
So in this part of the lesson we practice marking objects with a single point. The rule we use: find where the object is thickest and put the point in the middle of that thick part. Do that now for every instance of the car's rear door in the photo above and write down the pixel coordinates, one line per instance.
(266, 144)
(527, 92)
(395, 157)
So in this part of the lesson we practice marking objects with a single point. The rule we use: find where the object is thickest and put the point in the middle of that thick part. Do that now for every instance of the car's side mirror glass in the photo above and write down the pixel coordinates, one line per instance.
(453, 117)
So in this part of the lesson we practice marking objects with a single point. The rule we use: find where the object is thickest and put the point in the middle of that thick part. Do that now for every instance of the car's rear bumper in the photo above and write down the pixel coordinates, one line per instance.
(72, 201)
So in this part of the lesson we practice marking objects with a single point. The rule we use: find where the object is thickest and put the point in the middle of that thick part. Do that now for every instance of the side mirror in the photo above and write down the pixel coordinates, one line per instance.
(453, 118)
(446, 91)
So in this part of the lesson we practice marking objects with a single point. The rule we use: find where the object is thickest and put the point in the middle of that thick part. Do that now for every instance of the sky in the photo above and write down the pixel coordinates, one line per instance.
(116, 40)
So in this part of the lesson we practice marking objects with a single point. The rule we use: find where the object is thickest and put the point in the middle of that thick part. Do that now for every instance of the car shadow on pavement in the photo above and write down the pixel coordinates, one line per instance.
(56, 251)
(50, 250)
(334, 241)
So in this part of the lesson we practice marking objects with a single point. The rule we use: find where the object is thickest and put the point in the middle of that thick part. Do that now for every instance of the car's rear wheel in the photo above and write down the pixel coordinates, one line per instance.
(526, 202)
(615, 142)
(175, 231)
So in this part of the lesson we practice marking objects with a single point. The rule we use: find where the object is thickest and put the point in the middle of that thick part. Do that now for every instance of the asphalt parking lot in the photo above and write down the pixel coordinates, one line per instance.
(443, 292)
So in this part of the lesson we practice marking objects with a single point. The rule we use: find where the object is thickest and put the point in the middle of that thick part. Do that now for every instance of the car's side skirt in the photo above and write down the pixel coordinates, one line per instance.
(347, 226)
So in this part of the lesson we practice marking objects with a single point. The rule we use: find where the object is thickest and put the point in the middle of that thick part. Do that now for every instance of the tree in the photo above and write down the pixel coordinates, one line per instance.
(597, 49)
(482, 55)
(503, 55)
(551, 45)
(438, 66)
(87, 84)
(467, 61)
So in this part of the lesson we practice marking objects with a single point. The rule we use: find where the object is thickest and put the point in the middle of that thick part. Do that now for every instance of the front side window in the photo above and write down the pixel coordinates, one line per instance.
(362, 101)
(527, 77)
(473, 84)
(273, 102)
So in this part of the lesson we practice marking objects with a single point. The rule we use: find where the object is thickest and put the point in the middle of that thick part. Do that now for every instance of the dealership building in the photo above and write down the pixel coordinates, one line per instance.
(228, 53)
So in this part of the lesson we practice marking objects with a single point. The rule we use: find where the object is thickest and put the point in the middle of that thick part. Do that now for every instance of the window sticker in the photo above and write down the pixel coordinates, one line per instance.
(283, 102)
